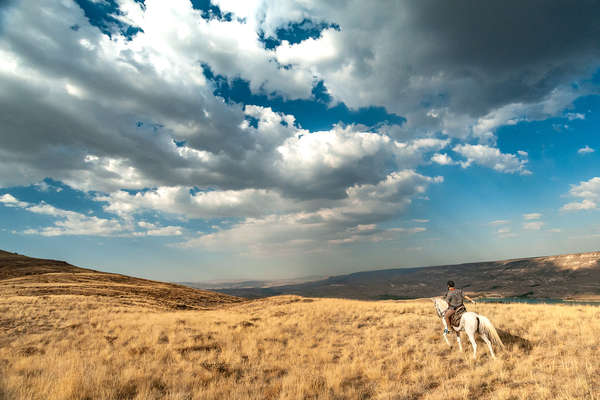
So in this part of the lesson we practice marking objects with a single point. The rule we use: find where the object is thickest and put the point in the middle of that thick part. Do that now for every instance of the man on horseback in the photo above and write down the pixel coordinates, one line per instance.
(455, 298)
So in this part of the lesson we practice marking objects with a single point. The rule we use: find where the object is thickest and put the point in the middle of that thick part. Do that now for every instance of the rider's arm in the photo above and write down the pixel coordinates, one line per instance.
(470, 299)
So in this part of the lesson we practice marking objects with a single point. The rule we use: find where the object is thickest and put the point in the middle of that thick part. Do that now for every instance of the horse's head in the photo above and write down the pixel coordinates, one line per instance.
(440, 305)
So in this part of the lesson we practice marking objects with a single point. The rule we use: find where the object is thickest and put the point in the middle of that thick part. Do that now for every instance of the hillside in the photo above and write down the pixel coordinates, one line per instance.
(570, 276)
(27, 276)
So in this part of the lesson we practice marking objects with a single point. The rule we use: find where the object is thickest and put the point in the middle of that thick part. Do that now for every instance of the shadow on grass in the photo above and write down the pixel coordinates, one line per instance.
(511, 340)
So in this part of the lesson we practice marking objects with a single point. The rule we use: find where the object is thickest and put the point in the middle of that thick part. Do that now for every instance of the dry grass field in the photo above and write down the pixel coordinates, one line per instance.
(72, 346)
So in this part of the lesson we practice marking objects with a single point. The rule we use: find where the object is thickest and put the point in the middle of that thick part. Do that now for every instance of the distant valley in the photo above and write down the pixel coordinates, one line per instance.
(569, 276)
(251, 284)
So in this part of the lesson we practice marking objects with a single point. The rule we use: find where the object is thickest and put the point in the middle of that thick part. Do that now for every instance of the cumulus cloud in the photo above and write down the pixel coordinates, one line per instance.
(534, 222)
(71, 223)
(153, 120)
(582, 205)
(492, 157)
(148, 133)
(442, 159)
(346, 220)
(589, 191)
(10, 201)
(154, 230)
(204, 205)
(499, 222)
(465, 77)
(585, 150)
(156, 77)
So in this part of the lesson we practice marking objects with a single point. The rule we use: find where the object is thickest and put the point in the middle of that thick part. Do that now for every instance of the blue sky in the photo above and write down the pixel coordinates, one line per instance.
(221, 140)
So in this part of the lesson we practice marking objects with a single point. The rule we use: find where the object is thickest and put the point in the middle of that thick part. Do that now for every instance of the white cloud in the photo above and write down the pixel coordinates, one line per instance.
(149, 120)
(157, 77)
(161, 231)
(154, 230)
(315, 160)
(504, 232)
(442, 159)
(212, 204)
(585, 150)
(351, 219)
(536, 226)
(573, 116)
(73, 223)
(582, 205)
(374, 59)
(532, 216)
(491, 157)
(499, 222)
(331, 149)
(10, 201)
(589, 191)
(70, 223)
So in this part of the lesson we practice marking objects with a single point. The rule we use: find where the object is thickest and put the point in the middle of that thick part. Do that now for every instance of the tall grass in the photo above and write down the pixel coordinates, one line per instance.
(78, 347)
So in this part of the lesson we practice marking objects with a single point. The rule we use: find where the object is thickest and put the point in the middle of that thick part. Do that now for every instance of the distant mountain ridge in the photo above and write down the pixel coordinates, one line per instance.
(26, 276)
(244, 284)
(568, 276)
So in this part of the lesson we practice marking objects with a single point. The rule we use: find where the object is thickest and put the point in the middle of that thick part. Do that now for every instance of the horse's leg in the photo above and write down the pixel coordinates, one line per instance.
(487, 341)
(471, 336)
(458, 340)
(445, 329)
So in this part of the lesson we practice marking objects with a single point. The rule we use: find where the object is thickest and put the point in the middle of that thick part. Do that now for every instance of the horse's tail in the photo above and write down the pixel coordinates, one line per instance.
(486, 328)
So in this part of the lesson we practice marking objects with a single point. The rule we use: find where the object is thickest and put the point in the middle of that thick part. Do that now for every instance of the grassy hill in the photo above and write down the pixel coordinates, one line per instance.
(569, 276)
(26, 276)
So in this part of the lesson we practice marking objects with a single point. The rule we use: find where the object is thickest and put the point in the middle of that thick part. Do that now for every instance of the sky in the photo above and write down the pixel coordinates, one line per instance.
(202, 140)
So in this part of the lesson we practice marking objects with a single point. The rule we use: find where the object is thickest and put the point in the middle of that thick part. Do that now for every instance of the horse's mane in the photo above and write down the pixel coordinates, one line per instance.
(440, 300)
(440, 305)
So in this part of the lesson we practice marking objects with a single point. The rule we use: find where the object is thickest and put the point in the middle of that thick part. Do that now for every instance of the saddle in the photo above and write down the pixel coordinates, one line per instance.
(455, 318)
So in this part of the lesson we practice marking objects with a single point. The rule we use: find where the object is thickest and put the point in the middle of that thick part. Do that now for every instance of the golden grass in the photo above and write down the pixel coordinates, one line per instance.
(117, 289)
(85, 347)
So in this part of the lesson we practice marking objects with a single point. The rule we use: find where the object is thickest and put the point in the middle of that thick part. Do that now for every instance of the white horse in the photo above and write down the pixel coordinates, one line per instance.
(471, 323)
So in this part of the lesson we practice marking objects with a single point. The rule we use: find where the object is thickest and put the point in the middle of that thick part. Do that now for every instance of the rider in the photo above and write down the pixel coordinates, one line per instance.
(454, 297)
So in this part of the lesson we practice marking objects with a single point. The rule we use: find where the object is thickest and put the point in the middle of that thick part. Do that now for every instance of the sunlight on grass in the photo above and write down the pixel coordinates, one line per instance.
(76, 347)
